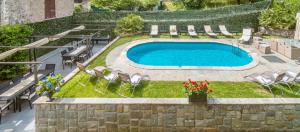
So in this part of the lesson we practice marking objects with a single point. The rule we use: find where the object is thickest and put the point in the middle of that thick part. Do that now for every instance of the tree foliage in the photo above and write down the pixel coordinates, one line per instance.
(131, 24)
(193, 4)
(116, 4)
(13, 35)
(148, 4)
(281, 15)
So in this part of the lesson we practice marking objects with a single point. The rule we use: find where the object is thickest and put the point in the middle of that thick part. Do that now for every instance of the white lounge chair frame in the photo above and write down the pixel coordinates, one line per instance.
(191, 30)
(154, 30)
(267, 80)
(247, 35)
(173, 30)
(224, 31)
(209, 31)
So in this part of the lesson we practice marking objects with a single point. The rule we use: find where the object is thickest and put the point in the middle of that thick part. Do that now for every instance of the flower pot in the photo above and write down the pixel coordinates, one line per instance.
(201, 98)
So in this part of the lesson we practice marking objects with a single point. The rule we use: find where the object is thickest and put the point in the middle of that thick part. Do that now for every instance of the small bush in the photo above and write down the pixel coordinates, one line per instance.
(131, 24)
(77, 9)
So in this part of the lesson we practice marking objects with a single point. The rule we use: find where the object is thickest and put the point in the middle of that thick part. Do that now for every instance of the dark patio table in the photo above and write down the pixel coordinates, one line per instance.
(76, 52)
(19, 88)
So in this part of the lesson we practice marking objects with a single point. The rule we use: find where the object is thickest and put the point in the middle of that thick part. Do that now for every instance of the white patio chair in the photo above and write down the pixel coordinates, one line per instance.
(154, 30)
(191, 30)
(173, 30)
(247, 35)
(224, 31)
(209, 31)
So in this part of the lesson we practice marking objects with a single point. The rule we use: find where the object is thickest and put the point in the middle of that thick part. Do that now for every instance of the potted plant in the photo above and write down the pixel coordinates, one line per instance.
(48, 87)
(197, 91)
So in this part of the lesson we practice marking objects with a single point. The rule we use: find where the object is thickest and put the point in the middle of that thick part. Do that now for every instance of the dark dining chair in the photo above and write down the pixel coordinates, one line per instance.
(28, 96)
(83, 55)
(67, 60)
(63, 52)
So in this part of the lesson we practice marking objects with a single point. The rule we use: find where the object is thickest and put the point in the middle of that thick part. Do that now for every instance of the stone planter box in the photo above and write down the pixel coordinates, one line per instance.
(194, 98)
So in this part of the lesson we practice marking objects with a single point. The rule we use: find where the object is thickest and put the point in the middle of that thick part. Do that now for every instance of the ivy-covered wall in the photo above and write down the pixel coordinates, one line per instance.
(52, 26)
(234, 17)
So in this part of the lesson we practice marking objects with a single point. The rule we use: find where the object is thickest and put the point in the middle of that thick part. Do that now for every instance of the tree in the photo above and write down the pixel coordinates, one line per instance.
(131, 24)
(116, 4)
(148, 4)
(281, 15)
(14, 35)
(194, 4)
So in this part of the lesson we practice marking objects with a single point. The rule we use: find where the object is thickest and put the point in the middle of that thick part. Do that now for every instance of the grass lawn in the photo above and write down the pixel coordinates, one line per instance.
(83, 85)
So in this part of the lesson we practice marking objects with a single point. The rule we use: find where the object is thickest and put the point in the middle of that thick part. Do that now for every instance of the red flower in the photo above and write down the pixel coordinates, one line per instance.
(194, 83)
(200, 87)
(204, 84)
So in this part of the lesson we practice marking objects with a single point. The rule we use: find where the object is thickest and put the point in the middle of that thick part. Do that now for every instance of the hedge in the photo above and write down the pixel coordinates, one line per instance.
(177, 15)
(53, 26)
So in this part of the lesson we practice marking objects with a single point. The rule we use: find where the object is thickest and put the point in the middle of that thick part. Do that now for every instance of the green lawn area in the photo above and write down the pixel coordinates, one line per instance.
(83, 85)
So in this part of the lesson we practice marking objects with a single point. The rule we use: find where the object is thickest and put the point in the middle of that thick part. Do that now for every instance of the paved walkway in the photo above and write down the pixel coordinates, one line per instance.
(117, 61)
(24, 121)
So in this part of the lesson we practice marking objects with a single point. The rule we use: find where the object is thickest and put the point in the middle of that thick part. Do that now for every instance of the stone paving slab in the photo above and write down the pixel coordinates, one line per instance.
(114, 61)
(43, 100)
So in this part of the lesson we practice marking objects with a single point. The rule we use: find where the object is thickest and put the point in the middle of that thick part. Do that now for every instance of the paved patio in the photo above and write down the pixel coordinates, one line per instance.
(24, 121)
(271, 62)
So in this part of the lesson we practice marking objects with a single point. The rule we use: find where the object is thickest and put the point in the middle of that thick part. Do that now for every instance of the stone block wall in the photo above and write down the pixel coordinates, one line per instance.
(166, 117)
(30, 11)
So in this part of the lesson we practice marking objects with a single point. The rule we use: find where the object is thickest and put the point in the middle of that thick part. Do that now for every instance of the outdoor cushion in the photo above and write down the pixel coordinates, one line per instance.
(110, 76)
(135, 79)
(91, 72)
(263, 80)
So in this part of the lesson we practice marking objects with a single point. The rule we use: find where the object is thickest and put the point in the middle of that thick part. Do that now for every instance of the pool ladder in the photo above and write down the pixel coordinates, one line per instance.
(235, 49)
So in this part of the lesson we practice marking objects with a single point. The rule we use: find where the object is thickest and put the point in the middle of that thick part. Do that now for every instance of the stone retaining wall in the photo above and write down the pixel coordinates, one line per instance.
(158, 117)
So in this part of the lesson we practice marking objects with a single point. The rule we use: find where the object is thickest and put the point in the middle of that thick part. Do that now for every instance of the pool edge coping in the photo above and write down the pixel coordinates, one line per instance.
(123, 56)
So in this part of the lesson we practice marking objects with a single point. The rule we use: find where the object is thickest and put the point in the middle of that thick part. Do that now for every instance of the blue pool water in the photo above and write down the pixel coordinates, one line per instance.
(188, 54)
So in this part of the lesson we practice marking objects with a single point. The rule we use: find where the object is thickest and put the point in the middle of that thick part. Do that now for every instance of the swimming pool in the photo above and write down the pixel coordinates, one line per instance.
(182, 54)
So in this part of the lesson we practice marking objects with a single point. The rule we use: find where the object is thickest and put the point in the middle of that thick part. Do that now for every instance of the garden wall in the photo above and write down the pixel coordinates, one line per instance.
(157, 115)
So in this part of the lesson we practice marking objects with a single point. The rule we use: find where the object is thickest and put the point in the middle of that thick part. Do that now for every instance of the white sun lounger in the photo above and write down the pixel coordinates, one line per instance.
(246, 37)
(154, 30)
(134, 80)
(173, 30)
(224, 31)
(268, 80)
(191, 30)
(209, 31)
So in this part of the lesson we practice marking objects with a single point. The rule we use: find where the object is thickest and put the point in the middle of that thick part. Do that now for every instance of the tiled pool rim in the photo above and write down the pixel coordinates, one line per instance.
(124, 57)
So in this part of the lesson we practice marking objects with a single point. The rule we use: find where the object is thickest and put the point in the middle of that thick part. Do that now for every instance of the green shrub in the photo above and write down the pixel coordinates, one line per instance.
(14, 35)
(116, 4)
(130, 24)
(281, 15)
(148, 4)
(77, 8)
(193, 4)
